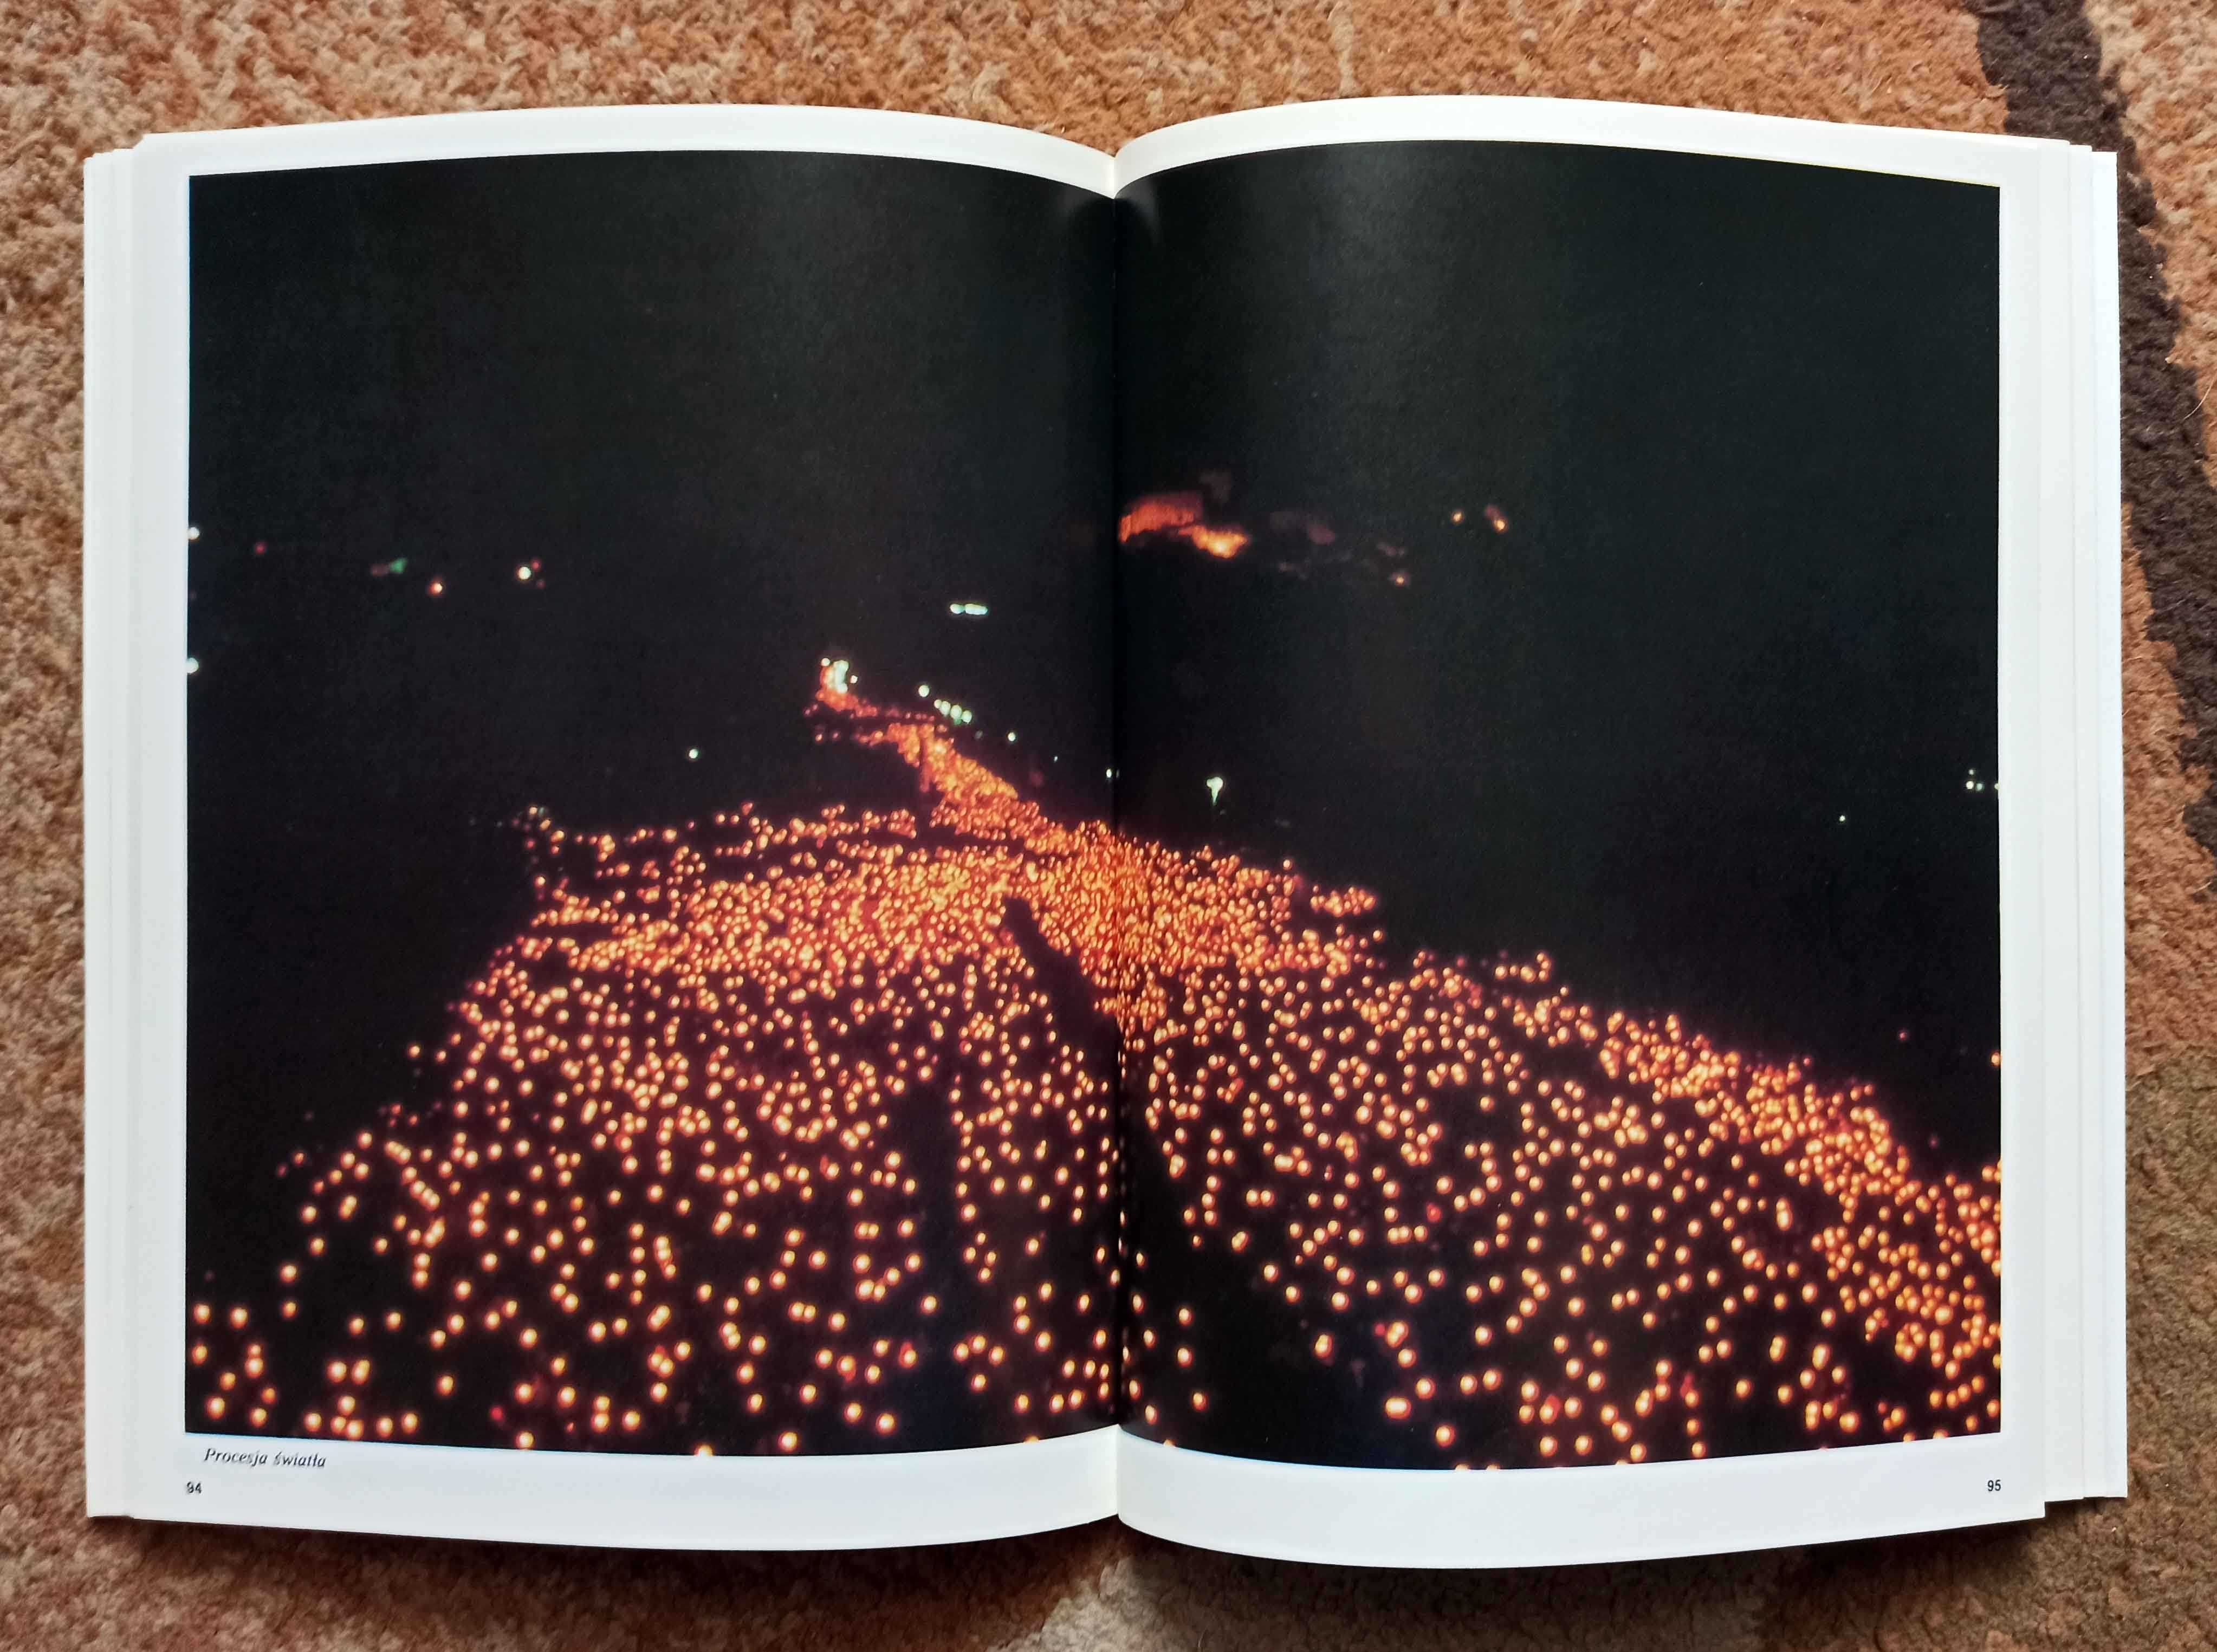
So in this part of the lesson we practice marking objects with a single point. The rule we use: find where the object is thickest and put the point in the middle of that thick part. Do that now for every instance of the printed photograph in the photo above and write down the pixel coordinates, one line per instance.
(1557, 676)
(648, 713)
(1345, 812)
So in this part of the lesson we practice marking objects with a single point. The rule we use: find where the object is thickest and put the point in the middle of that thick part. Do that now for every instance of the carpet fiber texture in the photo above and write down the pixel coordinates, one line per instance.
(2136, 75)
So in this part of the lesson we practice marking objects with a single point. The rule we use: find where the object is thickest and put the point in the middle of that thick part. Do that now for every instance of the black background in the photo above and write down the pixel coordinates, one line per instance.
(1741, 418)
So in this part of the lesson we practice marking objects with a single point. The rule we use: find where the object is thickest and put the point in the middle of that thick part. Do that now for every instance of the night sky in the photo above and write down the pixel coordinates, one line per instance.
(548, 482)
(1712, 718)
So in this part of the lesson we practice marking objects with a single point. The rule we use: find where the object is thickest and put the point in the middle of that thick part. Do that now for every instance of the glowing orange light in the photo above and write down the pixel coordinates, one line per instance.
(667, 1125)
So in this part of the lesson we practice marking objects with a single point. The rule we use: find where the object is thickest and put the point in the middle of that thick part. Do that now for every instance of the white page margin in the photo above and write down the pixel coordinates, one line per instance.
(107, 1316)
(1964, 157)
(618, 129)
(2107, 1471)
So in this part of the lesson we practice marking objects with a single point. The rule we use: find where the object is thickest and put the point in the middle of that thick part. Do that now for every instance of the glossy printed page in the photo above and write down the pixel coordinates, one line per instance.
(1559, 660)
(632, 598)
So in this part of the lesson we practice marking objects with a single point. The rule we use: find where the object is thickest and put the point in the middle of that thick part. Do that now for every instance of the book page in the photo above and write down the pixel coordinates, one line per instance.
(1580, 613)
(612, 638)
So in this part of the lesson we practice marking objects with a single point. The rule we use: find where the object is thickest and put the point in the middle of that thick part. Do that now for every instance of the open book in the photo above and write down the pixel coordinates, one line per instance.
(1388, 832)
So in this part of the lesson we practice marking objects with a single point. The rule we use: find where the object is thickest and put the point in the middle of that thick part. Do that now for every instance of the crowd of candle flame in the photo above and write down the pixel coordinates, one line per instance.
(802, 1136)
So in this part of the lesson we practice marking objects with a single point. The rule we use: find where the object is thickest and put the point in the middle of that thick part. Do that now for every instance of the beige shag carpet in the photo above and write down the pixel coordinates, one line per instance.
(2135, 76)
